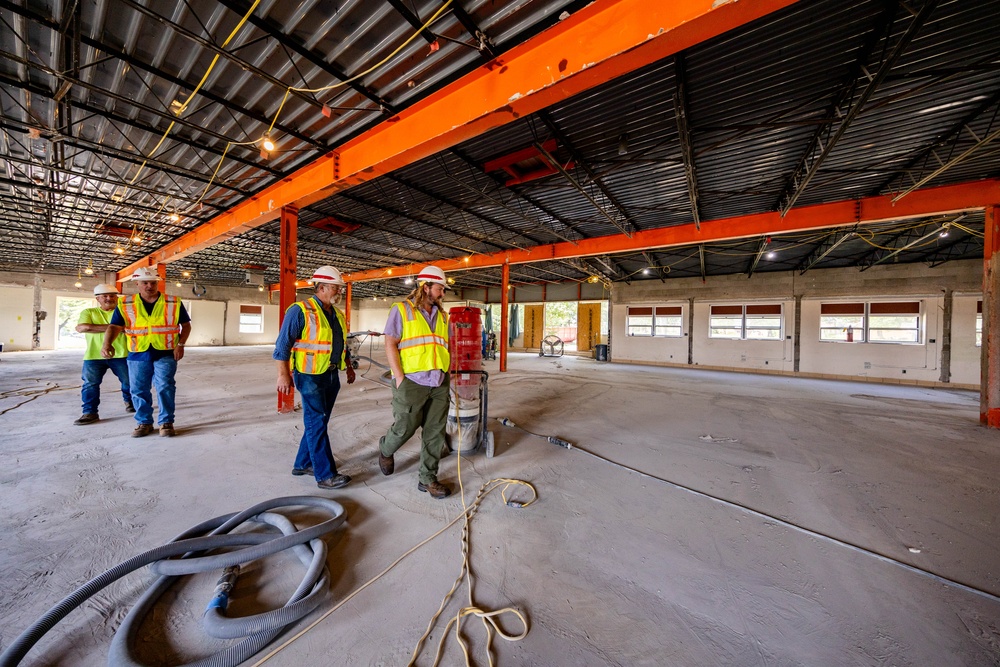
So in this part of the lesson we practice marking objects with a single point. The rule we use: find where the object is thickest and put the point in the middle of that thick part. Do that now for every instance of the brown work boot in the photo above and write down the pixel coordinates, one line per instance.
(167, 430)
(142, 430)
(435, 488)
(335, 482)
(386, 463)
(88, 418)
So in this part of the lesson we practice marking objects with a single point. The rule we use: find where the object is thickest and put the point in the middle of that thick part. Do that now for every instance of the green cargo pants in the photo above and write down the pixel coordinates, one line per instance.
(414, 405)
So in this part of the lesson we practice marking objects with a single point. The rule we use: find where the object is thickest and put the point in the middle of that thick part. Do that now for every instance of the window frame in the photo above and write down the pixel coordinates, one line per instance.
(251, 311)
(740, 319)
(654, 321)
(863, 313)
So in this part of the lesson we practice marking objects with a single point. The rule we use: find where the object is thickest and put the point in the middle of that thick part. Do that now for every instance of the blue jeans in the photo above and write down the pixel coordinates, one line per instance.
(319, 393)
(143, 374)
(93, 374)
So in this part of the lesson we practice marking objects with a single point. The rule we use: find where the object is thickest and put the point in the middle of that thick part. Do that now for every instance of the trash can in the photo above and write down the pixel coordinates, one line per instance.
(601, 352)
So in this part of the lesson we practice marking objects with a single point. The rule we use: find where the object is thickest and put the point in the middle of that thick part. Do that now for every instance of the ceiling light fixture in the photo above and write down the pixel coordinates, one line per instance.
(174, 217)
(771, 255)
(90, 268)
(186, 274)
(260, 288)
(623, 144)
(78, 283)
(178, 283)
(645, 272)
(267, 144)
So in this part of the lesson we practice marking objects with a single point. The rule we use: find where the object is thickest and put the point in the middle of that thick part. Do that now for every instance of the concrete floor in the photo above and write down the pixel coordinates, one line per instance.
(610, 567)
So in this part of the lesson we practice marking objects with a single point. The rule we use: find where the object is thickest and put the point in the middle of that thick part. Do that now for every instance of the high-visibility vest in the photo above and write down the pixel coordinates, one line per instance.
(158, 329)
(312, 350)
(421, 349)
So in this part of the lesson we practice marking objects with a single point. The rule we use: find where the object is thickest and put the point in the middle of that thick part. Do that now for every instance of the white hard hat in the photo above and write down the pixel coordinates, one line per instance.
(432, 274)
(105, 288)
(145, 273)
(327, 274)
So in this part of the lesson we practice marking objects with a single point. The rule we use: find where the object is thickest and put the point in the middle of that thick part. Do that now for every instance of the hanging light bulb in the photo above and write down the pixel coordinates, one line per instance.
(119, 250)
(90, 268)
(174, 217)
(260, 288)
(645, 271)
(186, 274)
(267, 144)
(178, 283)
(78, 282)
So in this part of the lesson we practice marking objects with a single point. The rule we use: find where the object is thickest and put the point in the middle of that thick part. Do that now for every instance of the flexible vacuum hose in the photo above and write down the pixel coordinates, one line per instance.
(209, 536)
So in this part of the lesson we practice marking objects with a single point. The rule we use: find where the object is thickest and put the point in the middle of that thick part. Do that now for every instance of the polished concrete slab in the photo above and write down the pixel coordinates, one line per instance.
(765, 520)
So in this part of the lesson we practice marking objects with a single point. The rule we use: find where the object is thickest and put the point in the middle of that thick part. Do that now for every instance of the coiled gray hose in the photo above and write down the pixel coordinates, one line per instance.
(210, 535)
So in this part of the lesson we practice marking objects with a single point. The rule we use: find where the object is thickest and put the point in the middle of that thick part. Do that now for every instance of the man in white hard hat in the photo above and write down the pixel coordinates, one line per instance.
(93, 323)
(416, 344)
(156, 327)
(310, 352)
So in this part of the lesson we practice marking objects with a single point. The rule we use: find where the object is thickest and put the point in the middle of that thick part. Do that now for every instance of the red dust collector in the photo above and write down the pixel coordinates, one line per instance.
(466, 428)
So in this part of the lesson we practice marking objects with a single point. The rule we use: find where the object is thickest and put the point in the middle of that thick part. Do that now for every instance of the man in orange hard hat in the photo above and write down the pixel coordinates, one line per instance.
(416, 344)
(93, 322)
(310, 351)
(156, 327)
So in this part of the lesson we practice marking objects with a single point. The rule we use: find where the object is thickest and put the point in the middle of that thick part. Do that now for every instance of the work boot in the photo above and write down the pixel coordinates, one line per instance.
(142, 430)
(167, 430)
(129, 408)
(298, 472)
(435, 488)
(386, 463)
(88, 418)
(334, 482)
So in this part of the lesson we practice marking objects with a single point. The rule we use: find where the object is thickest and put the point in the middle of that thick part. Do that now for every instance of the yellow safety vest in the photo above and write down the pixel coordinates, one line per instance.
(421, 349)
(311, 352)
(158, 329)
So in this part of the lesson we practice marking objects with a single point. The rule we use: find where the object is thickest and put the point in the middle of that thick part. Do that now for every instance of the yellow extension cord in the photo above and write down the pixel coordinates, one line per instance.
(489, 618)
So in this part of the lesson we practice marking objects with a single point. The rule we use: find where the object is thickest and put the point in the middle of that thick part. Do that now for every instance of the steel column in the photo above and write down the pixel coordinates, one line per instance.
(504, 317)
(286, 280)
(989, 399)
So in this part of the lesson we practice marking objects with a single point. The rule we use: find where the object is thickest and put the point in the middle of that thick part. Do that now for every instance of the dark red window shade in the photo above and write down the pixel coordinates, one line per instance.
(842, 309)
(251, 310)
(979, 307)
(668, 310)
(727, 310)
(762, 309)
(636, 312)
(895, 308)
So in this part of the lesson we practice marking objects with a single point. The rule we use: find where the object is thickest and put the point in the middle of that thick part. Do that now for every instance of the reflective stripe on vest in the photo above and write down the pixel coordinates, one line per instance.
(311, 352)
(158, 329)
(421, 349)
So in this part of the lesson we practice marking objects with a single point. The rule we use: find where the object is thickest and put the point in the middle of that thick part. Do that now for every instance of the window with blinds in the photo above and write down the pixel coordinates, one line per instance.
(251, 319)
(660, 321)
(753, 321)
(873, 322)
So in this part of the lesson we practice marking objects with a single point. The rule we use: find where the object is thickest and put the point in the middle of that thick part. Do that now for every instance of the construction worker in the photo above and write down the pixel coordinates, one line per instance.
(311, 350)
(416, 344)
(93, 322)
(156, 327)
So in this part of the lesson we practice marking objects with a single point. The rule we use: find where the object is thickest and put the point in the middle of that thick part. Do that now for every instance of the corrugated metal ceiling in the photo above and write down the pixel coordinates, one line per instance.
(825, 101)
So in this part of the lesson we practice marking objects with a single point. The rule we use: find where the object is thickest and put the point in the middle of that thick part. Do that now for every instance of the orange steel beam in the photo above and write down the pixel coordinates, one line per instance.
(601, 42)
(929, 201)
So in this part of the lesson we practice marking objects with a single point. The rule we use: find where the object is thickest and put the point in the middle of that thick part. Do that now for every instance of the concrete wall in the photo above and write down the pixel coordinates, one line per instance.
(910, 363)
(215, 318)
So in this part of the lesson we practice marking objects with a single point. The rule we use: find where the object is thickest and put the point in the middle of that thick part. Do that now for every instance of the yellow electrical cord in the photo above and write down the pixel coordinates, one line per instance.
(488, 617)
